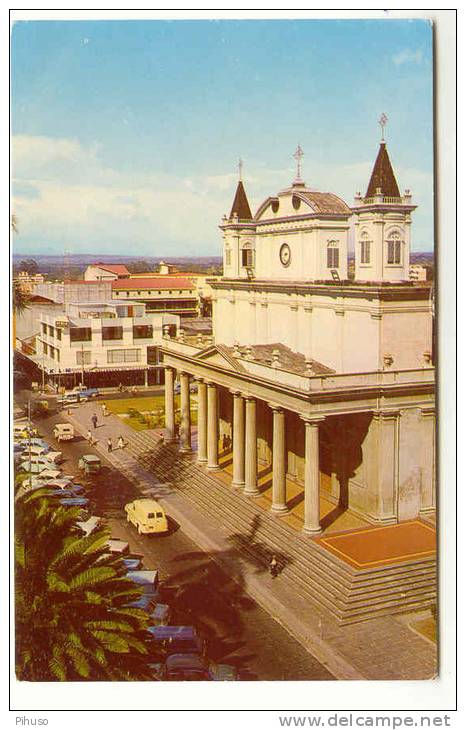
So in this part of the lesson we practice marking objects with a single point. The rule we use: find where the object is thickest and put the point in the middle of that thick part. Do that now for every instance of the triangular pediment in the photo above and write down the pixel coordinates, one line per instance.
(220, 355)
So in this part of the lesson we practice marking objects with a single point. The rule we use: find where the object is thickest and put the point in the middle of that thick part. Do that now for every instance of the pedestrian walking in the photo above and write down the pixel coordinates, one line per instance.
(89, 436)
(94, 420)
(109, 445)
(120, 387)
(104, 409)
(121, 442)
(273, 566)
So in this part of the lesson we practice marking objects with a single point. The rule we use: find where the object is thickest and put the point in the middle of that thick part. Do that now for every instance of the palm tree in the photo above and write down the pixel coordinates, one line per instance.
(72, 616)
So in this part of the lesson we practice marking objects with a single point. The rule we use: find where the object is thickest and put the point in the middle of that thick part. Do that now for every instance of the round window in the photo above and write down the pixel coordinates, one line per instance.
(285, 254)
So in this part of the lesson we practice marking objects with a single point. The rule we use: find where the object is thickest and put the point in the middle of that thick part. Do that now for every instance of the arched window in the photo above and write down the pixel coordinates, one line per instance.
(394, 248)
(333, 255)
(247, 256)
(365, 248)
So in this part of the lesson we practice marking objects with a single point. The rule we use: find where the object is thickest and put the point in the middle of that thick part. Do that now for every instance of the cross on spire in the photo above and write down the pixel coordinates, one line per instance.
(298, 155)
(383, 121)
(240, 169)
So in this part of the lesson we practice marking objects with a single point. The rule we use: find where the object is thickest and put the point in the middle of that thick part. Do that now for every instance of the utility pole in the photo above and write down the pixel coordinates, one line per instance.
(82, 363)
(29, 439)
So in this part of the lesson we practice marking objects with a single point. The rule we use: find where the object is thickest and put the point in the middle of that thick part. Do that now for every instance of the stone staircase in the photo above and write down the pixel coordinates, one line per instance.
(350, 595)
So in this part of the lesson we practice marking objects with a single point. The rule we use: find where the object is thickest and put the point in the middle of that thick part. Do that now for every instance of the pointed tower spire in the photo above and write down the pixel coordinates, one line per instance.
(383, 176)
(240, 205)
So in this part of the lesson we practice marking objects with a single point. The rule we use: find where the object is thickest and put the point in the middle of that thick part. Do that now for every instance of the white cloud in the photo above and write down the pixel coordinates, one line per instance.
(65, 195)
(407, 56)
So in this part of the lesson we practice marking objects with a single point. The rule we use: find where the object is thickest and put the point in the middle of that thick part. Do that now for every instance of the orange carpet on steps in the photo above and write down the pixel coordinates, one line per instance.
(370, 547)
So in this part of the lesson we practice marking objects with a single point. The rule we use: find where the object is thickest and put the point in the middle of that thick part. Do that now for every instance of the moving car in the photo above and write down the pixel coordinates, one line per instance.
(89, 464)
(63, 432)
(147, 516)
(193, 668)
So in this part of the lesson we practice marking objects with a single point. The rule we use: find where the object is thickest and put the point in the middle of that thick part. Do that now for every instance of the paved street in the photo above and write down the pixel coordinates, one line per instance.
(237, 629)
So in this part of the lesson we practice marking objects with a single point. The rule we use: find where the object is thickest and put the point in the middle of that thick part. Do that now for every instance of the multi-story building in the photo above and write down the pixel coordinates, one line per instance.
(170, 294)
(103, 344)
(26, 281)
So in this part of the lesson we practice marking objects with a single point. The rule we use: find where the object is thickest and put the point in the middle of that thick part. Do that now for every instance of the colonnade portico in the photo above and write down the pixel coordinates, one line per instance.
(244, 443)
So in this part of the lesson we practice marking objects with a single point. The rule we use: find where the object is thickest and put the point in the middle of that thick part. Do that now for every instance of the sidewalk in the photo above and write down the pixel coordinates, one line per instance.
(383, 648)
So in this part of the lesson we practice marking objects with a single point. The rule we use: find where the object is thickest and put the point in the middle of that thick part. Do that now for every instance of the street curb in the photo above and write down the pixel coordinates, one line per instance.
(309, 639)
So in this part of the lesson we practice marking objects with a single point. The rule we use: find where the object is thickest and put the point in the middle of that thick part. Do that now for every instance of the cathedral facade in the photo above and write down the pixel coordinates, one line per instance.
(325, 381)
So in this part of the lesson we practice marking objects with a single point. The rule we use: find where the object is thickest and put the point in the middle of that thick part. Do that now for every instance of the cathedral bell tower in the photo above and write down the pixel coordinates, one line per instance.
(382, 224)
(239, 232)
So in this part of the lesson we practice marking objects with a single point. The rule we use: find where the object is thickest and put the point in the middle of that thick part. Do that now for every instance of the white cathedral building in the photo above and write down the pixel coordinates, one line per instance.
(327, 380)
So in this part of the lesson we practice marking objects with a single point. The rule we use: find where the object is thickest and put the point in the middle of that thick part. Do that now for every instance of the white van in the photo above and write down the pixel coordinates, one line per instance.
(147, 515)
(63, 432)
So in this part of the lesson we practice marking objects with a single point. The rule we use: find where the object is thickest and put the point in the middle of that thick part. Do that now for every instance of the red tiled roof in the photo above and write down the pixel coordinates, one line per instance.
(383, 176)
(113, 268)
(154, 282)
(326, 203)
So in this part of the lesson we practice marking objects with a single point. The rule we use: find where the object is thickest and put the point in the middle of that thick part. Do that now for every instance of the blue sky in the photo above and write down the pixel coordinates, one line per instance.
(126, 134)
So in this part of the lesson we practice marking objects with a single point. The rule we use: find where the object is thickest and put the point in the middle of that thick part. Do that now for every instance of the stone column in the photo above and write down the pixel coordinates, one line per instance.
(278, 462)
(388, 437)
(201, 422)
(428, 496)
(238, 440)
(169, 405)
(212, 427)
(185, 425)
(146, 377)
(250, 477)
(311, 477)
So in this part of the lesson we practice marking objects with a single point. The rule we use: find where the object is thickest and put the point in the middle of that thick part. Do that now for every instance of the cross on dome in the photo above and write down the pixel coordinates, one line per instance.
(298, 155)
(240, 169)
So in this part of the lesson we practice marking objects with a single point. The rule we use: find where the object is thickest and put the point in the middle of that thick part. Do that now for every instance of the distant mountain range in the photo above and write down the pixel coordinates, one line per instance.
(83, 259)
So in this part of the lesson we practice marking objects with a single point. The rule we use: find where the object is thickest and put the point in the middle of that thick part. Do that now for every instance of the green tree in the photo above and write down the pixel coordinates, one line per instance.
(29, 265)
(72, 617)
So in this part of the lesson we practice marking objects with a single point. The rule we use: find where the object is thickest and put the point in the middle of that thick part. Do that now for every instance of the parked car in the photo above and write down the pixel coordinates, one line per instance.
(89, 464)
(132, 562)
(148, 580)
(37, 465)
(22, 430)
(161, 615)
(117, 547)
(63, 432)
(88, 526)
(48, 457)
(177, 639)
(74, 501)
(147, 602)
(147, 516)
(34, 441)
(37, 449)
(193, 668)
(83, 390)
(70, 398)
